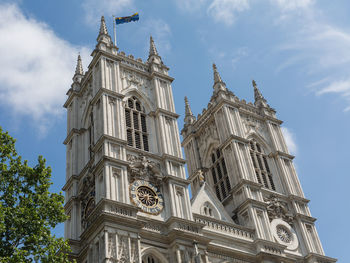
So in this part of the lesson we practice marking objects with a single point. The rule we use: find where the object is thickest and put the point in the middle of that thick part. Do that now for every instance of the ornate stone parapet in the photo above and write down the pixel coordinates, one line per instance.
(227, 228)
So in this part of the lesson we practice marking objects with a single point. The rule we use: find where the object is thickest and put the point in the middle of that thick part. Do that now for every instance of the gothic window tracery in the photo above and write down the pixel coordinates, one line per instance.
(261, 166)
(136, 127)
(219, 174)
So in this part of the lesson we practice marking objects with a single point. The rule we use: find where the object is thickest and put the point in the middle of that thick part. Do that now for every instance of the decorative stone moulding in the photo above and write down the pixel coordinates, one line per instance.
(277, 208)
(284, 234)
(141, 167)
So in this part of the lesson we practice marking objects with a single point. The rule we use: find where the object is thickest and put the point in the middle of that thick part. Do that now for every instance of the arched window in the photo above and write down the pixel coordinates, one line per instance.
(262, 170)
(150, 259)
(136, 128)
(207, 209)
(219, 173)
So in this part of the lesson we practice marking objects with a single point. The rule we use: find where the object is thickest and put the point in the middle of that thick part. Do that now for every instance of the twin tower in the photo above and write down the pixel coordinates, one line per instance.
(127, 193)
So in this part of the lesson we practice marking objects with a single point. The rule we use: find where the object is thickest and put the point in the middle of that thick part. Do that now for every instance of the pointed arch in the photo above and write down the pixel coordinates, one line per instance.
(153, 252)
(219, 178)
(85, 120)
(136, 124)
(261, 160)
(212, 145)
(257, 137)
(132, 91)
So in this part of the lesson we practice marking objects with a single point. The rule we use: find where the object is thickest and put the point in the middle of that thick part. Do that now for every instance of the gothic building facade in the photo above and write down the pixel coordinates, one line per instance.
(127, 193)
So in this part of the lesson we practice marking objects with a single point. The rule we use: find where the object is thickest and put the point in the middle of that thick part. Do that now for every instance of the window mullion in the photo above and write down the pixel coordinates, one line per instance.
(140, 129)
(132, 128)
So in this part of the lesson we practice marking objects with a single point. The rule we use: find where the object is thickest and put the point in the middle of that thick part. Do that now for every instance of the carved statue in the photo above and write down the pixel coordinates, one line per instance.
(141, 167)
(87, 198)
(201, 175)
(278, 209)
(88, 183)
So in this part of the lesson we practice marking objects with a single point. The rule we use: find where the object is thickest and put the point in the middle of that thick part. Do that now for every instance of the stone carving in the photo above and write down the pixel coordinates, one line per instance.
(111, 246)
(134, 78)
(123, 253)
(201, 174)
(207, 136)
(87, 198)
(197, 256)
(134, 251)
(278, 209)
(255, 126)
(142, 168)
(88, 182)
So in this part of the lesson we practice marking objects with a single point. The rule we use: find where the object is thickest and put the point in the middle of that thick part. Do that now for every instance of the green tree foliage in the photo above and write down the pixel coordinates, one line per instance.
(28, 210)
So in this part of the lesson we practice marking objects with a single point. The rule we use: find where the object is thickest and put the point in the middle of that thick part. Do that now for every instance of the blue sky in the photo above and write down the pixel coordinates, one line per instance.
(298, 51)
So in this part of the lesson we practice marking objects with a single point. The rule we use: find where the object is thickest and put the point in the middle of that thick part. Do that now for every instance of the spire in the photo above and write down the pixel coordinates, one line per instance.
(259, 98)
(79, 67)
(217, 77)
(188, 110)
(218, 83)
(79, 74)
(103, 27)
(103, 37)
(189, 117)
(152, 48)
(153, 56)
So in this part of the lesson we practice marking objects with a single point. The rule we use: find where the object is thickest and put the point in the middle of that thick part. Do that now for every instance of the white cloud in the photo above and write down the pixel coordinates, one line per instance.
(341, 87)
(161, 33)
(311, 42)
(321, 49)
(290, 5)
(225, 10)
(290, 140)
(190, 5)
(94, 9)
(36, 67)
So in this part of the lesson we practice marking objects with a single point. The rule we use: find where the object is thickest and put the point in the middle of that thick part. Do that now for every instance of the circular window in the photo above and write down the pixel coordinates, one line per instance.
(284, 234)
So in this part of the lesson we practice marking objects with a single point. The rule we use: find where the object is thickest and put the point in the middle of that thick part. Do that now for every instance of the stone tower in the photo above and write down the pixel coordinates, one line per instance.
(236, 151)
(126, 189)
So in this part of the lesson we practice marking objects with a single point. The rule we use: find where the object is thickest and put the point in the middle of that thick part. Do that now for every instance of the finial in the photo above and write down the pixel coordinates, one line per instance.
(254, 83)
(152, 47)
(218, 83)
(79, 67)
(103, 27)
(259, 98)
(189, 117)
(188, 110)
(217, 77)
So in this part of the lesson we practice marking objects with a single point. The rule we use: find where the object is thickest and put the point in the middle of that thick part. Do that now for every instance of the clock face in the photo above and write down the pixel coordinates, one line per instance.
(146, 196)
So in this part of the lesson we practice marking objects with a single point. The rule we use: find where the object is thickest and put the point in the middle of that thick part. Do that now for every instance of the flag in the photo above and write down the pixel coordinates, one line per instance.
(127, 19)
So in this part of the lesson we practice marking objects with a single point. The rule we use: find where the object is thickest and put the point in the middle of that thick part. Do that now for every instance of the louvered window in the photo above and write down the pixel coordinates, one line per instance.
(136, 127)
(219, 174)
(261, 166)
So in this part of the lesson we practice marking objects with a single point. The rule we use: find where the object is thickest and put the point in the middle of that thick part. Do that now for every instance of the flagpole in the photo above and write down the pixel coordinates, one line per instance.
(115, 32)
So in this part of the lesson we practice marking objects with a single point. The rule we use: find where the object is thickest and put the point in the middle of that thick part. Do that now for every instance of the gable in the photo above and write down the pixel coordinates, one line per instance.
(206, 203)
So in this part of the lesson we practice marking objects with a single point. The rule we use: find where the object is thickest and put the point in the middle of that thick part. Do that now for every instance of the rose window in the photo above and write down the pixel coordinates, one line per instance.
(284, 234)
(147, 196)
